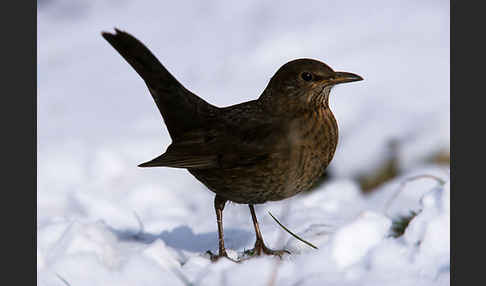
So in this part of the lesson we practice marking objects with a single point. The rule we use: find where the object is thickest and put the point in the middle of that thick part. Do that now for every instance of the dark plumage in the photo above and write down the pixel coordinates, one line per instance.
(266, 149)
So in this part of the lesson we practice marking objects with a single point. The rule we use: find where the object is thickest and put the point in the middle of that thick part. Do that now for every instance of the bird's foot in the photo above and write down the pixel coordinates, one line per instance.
(260, 248)
(216, 257)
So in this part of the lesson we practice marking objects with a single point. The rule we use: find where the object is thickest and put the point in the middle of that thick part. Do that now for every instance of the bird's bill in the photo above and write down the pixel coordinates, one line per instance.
(342, 77)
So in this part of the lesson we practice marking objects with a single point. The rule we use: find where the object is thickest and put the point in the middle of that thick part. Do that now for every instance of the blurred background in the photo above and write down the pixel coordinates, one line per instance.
(98, 213)
(97, 120)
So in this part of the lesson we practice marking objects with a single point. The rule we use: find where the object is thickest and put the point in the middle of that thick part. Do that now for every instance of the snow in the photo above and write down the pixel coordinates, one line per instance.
(348, 248)
(353, 237)
(103, 221)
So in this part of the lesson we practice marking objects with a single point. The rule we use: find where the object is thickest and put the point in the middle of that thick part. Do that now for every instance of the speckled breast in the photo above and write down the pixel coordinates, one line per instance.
(319, 134)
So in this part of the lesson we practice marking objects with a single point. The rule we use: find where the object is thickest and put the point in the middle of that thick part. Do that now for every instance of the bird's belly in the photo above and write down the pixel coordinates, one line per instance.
(272, 180)
(254, 184)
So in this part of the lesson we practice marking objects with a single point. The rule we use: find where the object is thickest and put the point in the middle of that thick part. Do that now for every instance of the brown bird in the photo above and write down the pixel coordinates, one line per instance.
(266, 149)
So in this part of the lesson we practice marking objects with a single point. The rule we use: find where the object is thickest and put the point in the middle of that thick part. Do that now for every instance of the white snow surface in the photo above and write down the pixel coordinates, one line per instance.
(103, 221)
(165, 243)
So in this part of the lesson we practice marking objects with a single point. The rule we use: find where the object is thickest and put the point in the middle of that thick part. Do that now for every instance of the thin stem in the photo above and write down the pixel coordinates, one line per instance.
(291, 233)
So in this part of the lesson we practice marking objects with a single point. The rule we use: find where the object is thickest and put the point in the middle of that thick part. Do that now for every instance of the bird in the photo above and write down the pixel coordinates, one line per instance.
(267, 149)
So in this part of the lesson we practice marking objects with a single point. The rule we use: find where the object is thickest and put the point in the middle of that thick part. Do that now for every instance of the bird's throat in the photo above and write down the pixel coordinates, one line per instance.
(320, 99)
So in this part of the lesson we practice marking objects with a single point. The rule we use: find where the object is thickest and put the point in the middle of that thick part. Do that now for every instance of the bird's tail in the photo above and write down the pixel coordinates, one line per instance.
(181, 109)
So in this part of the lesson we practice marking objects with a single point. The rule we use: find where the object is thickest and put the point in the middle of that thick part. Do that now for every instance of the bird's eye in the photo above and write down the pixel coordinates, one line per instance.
(307, 76)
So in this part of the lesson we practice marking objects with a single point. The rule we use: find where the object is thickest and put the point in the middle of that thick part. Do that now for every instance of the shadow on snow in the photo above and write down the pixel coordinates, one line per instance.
(183, 238)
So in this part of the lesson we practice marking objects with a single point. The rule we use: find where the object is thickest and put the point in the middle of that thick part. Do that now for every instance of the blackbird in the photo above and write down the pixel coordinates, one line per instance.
(266, 149)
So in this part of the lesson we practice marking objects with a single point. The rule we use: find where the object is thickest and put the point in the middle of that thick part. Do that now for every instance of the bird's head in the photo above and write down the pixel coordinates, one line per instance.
(304, 84)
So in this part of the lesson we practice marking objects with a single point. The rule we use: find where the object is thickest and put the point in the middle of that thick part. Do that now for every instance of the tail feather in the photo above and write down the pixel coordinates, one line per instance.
(181, 109)
(181, 161)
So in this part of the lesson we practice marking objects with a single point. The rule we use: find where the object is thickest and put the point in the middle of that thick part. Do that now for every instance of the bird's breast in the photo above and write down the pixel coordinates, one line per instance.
(316, 140)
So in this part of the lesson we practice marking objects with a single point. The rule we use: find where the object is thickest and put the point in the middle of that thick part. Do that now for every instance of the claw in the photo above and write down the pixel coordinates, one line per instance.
(216, 257)
(260, 248)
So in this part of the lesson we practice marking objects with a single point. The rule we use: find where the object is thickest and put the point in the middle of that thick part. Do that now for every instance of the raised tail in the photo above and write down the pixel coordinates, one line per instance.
(181, 109)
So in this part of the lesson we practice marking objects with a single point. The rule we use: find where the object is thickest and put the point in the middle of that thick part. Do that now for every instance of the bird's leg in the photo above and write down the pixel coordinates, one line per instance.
(219, 206)
(219, 203)
(259, 245)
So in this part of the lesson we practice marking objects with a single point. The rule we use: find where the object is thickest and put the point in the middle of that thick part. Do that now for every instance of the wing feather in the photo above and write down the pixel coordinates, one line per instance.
(225, 146)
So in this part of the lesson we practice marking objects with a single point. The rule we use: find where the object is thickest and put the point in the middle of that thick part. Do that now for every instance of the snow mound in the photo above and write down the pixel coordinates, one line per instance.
(354, 240)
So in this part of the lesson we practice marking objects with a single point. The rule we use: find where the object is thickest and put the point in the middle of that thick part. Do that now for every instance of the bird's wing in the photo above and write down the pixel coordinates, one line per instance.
(225, 146)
